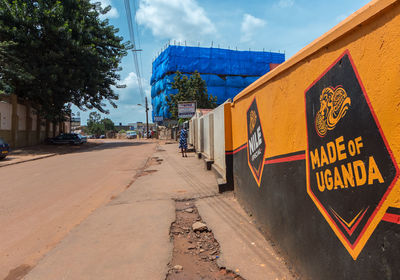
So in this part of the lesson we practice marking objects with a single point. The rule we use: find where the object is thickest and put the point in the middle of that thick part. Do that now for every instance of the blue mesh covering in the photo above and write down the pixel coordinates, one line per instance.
(226, 72)
(213, 61)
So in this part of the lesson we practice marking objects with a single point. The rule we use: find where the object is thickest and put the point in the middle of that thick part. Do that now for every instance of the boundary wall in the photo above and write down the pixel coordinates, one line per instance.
(208, 135)
(316, 146)
(20, 126)
(211, 136)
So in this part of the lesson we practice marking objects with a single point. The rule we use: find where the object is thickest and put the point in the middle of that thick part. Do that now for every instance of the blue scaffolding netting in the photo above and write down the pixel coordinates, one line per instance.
(226, 72)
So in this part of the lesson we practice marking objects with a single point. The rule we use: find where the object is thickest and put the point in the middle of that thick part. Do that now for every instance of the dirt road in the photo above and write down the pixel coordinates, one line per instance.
(41, 201)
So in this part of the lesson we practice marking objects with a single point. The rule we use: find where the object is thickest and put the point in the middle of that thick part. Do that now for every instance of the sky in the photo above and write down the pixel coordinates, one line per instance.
(277, 25)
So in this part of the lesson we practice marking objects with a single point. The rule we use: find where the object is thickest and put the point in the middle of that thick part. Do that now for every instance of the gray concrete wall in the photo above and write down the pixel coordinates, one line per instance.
(208, 138)
(191, 133)
(219, 138)
(200, 135)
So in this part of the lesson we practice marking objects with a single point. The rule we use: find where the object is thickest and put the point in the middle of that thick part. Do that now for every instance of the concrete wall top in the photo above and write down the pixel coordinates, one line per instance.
(348, 25)
(282, 120)
(285, 86)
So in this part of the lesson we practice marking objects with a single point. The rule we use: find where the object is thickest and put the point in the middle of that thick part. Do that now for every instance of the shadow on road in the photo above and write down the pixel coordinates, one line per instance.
(41, 151)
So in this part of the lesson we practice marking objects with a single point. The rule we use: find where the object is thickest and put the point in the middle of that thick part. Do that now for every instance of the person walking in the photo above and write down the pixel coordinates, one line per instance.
(183, 142)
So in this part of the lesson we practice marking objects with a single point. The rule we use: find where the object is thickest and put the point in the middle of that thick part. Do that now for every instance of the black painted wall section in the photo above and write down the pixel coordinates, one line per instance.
(287, 215)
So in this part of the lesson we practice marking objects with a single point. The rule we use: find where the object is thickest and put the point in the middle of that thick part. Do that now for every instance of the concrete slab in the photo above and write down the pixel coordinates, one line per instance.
(176, 177)
(119, 241)
(244, 250)
(129, 237)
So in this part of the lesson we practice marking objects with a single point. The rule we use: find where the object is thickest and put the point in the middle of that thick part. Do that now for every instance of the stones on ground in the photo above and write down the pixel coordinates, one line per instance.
(194, 242)
(189, 210)
(199, 226)
(178, 267)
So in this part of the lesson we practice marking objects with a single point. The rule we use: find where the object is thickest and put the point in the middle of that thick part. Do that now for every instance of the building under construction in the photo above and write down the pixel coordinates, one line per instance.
(226, 72)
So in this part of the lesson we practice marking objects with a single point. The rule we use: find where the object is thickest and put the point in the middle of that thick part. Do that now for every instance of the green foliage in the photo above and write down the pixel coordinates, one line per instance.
(58, 53)
(121, 131)
(190, 89)
(94, 124)
(108, 124)
(98, 126)
(10, 66)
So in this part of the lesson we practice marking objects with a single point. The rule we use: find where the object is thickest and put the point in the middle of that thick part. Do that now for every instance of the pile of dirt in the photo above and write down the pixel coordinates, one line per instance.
(196, 250)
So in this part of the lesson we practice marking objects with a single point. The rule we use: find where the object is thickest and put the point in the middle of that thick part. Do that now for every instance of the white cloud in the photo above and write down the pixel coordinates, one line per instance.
(250, 25)
(113, 13)
(130, 95)
(175, 19)
(285, 3)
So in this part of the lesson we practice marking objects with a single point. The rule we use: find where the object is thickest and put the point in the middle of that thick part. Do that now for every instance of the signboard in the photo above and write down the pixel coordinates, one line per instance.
(158, 119)
(78, 119)
(186, 110)
(350, 168)
(255, 142)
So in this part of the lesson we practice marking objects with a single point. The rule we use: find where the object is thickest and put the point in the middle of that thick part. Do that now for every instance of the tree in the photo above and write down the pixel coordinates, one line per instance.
(190, 89)
(94, 125)
(98, 126)
(10, 67)
(108, 124)
(58, 53)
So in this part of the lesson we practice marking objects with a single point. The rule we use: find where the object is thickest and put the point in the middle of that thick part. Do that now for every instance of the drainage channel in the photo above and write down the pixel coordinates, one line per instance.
(196, 250)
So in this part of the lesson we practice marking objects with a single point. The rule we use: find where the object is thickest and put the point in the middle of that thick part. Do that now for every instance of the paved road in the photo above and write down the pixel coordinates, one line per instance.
(42, 201)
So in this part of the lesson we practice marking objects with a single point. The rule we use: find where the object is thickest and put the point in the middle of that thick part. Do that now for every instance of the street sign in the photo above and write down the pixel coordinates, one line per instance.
(186, 110)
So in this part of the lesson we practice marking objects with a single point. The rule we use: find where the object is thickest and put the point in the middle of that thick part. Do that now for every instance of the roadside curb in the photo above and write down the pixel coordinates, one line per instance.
(27, 160)
(46, 156)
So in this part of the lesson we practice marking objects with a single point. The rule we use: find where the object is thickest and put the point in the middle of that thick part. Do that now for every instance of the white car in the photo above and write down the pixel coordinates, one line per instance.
(131, 135)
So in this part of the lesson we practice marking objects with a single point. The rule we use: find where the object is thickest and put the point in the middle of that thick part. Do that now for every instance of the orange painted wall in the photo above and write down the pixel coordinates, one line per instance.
(372, 37)
(374, 45)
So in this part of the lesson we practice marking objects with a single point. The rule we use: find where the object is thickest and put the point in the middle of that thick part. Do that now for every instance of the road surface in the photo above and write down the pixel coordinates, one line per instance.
(42, 201)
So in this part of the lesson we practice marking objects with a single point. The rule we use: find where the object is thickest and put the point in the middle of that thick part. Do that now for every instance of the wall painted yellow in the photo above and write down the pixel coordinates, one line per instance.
(372, 36)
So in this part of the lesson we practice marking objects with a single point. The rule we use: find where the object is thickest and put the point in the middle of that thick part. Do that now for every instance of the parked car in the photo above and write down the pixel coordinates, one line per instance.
(4, 149)
(102, 136)
(84, 138)
(131, 135)
(67, 138)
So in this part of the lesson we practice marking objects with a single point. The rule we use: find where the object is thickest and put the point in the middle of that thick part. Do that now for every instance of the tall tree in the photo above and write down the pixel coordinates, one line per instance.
(56, 53)
(108, 124)
(94, 124)
(190, 89)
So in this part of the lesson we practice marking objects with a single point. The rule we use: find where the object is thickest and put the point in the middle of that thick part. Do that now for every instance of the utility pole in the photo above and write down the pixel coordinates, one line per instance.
(147, 118)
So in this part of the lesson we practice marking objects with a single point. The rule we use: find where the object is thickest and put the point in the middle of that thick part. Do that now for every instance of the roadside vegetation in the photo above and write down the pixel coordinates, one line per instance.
(55, 54)
(191, 88)
(97, 126)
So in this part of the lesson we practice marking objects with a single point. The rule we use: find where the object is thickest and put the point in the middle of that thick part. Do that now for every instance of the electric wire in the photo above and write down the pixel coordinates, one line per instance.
(137, 35)
(135, 49)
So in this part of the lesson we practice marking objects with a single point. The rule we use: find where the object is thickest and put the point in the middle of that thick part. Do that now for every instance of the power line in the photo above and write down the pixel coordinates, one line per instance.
(135, 49)
(137, 35)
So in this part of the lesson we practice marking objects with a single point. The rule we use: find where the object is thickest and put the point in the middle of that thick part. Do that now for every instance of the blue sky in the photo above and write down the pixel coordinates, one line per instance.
(277, 25)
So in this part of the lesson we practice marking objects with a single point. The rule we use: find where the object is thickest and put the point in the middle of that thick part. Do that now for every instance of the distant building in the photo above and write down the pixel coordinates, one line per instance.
(76, 125)
(226, 72)
(141, 126)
